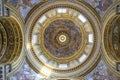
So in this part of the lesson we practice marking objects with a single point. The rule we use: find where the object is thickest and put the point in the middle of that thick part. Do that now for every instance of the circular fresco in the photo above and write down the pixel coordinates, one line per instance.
(12, 44)
(3, 38)
(115, 39)
(112, 38)
(62, 38)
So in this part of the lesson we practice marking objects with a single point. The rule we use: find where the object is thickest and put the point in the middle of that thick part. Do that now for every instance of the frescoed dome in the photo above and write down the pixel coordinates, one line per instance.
(62, 39)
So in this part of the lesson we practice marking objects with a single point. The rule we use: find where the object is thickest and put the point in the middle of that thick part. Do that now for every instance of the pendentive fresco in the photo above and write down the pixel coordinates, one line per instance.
(25, 6)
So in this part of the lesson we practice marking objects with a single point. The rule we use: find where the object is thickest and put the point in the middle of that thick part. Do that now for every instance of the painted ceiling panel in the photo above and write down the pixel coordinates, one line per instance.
(24, 6)
(25, 73)
(100, 5)
(99, 73)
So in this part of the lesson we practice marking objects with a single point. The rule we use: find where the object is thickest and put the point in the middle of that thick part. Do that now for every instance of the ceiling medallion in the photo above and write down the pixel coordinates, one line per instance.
(62, 38)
